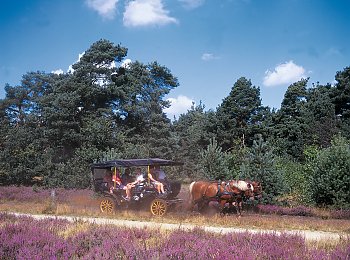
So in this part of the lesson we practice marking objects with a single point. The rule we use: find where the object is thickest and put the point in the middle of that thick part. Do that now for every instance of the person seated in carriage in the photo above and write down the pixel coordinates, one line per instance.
(126, 177)
(140, 176)
(107, 183)
(160, 175)
(143, 177)
(159, 185)
(114, 182)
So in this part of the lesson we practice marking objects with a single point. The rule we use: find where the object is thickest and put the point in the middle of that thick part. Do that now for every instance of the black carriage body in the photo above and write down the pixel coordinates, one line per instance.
(142, 194)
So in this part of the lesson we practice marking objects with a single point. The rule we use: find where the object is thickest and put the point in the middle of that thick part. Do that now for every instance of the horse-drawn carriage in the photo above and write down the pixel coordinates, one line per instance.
(143, 193)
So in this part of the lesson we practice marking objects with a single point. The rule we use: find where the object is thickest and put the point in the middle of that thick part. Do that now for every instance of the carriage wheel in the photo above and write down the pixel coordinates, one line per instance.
(107, 205)
(158, 207)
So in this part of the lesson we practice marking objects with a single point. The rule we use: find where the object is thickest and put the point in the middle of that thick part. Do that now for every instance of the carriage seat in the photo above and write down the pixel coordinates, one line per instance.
(100, 185)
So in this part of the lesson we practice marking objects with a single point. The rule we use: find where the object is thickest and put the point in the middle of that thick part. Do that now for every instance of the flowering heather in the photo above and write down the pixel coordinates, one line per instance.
(341, 214)
(26, 238)
(234, 246)
(31, 239)
(295, 211)
(23, 194)
(30, 194)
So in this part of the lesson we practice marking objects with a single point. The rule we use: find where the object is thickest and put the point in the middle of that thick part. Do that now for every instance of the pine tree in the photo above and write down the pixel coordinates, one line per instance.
(290, 128)
(214, 162)
(240, 115)
(191, 130)
(260, 166)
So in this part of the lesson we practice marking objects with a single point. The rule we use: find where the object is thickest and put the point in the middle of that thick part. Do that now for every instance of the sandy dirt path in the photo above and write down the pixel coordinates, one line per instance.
(307, 234)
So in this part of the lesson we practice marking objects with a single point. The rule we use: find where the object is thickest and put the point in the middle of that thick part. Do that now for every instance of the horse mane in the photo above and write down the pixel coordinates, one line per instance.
(242, 185)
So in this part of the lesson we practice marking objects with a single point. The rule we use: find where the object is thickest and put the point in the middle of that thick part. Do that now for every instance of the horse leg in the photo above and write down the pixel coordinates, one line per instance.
(239, 208)
(235, 204)
(191, 204)
(199, 204)
(195, 203)
(222, 206)
(202, 205)
(231, 208)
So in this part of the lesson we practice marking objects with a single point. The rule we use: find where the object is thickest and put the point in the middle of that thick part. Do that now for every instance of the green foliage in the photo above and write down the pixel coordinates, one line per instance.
(20, 155)
(290, 127)
(110, 154)
(214, 162)
(236, 156)
(330, 175)
(241, 115)
(52, 127)
(73, 174)
(341, 100)
(191, 130)
(319, 115)
(341, 94)
(54, 124)
(259, 165)
(295, 181)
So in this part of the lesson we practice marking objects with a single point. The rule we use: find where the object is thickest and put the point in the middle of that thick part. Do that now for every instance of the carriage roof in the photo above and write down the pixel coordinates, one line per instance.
(135, 162)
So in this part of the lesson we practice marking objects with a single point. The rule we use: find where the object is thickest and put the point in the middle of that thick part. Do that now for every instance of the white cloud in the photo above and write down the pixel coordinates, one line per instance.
(70, 68)
(105, 8)
(191, 4)
(209, 56)
(57, 72)
(284, 73)
(178, 106)
(146, 12)
(126, 63)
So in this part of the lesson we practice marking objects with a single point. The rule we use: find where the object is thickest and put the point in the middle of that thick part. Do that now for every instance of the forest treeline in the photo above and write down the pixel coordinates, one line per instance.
(54, 126)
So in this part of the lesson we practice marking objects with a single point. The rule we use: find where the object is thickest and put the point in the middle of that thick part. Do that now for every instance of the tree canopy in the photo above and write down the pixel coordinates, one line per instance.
(54, 126)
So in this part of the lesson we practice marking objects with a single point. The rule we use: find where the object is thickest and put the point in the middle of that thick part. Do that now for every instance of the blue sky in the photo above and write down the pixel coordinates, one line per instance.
(207, 44)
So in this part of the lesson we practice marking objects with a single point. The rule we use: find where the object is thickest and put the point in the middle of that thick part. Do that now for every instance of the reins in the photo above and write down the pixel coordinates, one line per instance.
(219, 194)
(225, 192)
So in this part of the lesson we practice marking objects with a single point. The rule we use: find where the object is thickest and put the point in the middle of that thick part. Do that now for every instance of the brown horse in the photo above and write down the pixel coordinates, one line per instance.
(257, 189)
(202, 192)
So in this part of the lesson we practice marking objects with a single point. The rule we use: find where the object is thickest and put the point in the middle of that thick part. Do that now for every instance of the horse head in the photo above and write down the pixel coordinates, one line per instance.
(249, 194)
(242, 188)
(257, 189)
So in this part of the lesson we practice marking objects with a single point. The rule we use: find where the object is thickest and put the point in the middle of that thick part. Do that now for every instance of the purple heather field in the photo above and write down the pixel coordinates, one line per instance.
(27, 238)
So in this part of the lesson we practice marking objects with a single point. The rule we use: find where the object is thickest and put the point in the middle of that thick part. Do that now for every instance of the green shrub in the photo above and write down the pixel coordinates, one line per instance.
(330, 175)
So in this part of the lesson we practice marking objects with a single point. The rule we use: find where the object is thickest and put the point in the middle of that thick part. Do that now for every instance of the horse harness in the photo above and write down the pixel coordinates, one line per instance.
(219, 194)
